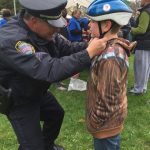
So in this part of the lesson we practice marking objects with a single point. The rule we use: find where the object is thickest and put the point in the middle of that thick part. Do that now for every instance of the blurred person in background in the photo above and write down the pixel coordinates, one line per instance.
(6, 16)
(74, 28)
(64, 31)
(141, 33)
(84, 23)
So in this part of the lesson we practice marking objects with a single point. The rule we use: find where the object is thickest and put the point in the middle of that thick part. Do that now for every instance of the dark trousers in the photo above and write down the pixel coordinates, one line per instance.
(111, 143)
(25, 120)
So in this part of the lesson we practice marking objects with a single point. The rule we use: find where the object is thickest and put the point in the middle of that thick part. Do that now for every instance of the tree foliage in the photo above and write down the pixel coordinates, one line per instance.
(9, 4)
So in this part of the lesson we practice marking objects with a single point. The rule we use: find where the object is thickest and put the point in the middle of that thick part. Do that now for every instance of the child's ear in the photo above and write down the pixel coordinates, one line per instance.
(108, 25)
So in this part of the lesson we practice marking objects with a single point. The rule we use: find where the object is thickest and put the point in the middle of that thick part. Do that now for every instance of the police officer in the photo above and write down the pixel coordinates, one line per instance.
(32, 56)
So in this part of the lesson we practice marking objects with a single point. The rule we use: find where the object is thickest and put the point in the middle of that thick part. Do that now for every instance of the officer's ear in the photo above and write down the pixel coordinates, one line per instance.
(34, 20)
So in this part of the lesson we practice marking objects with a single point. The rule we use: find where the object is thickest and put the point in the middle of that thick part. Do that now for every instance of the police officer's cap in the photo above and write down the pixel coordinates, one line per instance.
(46, 9)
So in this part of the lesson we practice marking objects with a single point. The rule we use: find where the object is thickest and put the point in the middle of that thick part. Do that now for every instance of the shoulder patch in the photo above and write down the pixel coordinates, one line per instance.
(24, 48)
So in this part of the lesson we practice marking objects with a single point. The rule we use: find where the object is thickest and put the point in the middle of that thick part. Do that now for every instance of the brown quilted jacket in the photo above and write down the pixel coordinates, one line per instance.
(106, 106)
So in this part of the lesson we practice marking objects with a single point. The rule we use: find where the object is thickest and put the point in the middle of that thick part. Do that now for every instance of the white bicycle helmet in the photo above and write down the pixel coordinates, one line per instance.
(115, 10)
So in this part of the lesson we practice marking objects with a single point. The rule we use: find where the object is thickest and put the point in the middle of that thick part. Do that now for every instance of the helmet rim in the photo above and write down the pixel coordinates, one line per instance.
(121, 18)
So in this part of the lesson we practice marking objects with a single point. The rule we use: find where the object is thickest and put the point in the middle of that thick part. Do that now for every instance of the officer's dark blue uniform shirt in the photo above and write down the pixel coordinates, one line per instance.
(28, 64)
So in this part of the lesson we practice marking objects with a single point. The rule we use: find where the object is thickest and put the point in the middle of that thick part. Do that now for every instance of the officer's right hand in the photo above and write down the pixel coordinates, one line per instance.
(96, 46)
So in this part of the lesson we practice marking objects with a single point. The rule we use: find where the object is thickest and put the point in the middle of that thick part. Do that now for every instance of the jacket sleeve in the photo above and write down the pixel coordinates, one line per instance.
(143, 24)
(66, 47)
(44, 68)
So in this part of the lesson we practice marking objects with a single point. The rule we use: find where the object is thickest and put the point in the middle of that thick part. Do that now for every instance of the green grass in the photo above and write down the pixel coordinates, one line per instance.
(74, 136)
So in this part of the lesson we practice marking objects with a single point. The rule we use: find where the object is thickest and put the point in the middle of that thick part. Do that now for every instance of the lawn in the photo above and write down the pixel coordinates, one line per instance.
(74, 136)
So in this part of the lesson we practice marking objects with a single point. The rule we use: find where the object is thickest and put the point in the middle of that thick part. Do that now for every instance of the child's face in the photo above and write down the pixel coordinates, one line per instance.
(77, 14)
(94, 29)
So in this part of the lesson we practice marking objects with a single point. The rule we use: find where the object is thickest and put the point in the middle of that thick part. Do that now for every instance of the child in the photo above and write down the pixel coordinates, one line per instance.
(106, 96)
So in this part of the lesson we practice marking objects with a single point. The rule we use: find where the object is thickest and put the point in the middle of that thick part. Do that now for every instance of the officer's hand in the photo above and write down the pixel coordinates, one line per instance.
(96, 46)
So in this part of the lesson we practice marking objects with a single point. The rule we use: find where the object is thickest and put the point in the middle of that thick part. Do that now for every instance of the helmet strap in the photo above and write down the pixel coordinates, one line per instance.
(100, 29)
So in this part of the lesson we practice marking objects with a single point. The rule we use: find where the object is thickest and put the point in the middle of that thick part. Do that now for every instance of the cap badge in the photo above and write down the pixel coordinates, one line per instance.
(106, 7)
